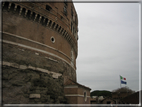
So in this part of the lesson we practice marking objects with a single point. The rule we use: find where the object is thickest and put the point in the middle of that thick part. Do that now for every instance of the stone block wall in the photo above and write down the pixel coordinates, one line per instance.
(29, 77)
(27, 86)
(23, 56)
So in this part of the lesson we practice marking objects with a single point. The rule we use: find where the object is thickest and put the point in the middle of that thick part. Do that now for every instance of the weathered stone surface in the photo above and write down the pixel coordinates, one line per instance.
(19, 84)
(5, 63)
(14, 65)
(56, 75)
(23, 67)
(31, 67)
(34, 96)
(28, 58)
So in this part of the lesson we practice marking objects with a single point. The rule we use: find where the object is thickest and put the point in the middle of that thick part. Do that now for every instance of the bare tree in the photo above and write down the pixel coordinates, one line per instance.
(123, 89)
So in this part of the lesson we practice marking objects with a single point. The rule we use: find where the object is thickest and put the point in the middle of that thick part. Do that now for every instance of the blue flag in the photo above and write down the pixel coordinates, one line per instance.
(123, 82)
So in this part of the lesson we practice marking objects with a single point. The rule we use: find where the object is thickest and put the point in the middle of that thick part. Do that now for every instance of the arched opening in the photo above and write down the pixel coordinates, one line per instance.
(23, 12)
(48, 7)
(37, 18)
(12, 7)
(6, 4)
(33, 16)
(56, 27)
(53, 25)
(62, 31)
(46, 20)
(18, 9)
(42, 20)
(50, 23)
(28, 14)
(59, 29)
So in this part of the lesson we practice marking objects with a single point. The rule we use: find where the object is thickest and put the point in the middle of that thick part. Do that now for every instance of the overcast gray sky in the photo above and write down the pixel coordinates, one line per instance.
(108, 45)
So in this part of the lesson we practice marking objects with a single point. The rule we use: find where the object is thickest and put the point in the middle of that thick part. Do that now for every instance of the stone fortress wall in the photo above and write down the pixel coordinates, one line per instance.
(39, 50)
(38, 27)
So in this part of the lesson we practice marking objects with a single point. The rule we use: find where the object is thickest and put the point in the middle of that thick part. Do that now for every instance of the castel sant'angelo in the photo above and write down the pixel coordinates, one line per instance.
(39, 51)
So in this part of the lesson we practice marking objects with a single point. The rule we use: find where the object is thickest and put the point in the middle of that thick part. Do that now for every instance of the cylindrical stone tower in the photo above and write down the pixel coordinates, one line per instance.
(38, 36)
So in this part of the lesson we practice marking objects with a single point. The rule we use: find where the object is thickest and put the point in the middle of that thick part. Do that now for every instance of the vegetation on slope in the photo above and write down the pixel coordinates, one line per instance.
(101, 93)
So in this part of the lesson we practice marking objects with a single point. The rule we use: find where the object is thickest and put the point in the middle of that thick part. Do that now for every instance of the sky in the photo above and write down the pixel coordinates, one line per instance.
(108, 45)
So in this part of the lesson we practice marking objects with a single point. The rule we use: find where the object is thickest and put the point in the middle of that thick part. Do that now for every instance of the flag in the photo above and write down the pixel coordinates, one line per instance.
(123, 80)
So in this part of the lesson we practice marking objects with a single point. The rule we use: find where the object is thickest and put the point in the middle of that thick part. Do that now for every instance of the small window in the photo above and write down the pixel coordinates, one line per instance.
(65, 2)
(65, 10)
(85, 96)
(52, 39)
(48, 7)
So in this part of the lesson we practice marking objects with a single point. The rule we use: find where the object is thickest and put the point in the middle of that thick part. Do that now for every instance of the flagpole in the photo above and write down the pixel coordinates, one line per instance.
(120, 81)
